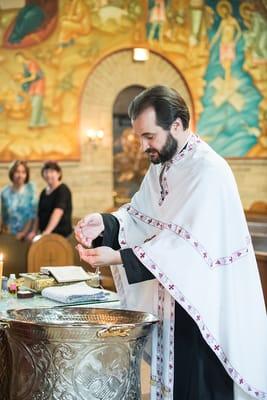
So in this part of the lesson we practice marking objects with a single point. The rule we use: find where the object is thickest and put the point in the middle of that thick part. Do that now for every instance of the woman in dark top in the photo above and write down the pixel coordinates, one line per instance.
(55, 206)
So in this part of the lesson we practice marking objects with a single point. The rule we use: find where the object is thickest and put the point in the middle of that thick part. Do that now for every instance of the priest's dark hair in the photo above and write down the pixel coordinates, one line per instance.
(167, 103)
(52, 165)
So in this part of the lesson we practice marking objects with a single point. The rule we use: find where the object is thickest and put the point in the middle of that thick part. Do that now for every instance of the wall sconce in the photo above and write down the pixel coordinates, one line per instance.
(94, 136)
(140, 54)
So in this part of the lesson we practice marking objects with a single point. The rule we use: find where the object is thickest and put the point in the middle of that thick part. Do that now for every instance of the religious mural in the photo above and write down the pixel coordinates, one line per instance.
(49, 47)
(235, 83)
(32, 24)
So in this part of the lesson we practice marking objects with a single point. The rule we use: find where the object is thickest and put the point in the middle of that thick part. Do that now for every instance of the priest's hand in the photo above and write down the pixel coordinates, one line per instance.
(89, 228)
(100, 256)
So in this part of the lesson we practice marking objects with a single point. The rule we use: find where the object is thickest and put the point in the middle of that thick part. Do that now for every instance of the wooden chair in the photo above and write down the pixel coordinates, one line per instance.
(257, 221)
(259, 207)
(49, 250)
(257, 212)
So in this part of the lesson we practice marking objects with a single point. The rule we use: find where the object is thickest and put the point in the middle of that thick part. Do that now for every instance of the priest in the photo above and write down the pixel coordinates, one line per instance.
(181, 249)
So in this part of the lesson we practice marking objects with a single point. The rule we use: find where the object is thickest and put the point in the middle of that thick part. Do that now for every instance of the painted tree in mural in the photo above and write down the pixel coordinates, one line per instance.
(230, 120)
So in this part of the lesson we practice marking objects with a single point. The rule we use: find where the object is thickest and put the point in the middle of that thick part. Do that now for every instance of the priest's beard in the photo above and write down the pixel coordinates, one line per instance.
(166, 153)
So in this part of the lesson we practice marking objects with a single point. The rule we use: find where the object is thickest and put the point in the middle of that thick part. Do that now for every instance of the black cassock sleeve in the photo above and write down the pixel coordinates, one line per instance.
(110, 234)
(135, 270)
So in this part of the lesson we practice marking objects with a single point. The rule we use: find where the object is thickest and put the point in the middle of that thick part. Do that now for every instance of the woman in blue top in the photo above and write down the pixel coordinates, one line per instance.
(18, 203)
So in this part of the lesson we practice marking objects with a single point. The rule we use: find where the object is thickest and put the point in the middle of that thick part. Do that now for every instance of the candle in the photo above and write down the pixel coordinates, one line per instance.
(1, 270)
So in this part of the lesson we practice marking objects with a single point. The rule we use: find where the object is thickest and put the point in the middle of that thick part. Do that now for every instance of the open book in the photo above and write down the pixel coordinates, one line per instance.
(68, 273)
(76, 293)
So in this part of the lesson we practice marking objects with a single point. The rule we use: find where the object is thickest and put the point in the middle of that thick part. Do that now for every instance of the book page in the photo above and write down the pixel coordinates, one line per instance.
(67, 274)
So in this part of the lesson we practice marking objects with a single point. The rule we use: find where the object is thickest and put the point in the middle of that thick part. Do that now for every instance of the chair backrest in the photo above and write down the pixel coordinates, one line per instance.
(257, 212)
(49, 250)
(259, 207)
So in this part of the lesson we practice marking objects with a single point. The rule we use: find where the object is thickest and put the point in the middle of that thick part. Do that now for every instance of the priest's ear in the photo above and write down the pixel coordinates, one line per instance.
(177, 126)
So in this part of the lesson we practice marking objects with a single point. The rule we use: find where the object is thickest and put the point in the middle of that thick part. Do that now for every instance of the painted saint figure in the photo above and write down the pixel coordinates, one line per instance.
(229, 31)
(255, 20)
(156, 19)
(33, 82)
(230, 117)
(76, 22)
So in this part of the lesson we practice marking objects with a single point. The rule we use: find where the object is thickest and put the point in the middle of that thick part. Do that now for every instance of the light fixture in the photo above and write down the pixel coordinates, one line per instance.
(140, 54)
(95, 136)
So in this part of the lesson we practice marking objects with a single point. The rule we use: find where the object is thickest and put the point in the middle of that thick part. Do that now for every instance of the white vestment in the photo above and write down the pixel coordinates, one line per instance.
(201, 255)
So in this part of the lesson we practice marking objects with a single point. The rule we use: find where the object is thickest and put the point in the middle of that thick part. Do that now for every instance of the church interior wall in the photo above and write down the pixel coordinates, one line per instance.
(214, 51)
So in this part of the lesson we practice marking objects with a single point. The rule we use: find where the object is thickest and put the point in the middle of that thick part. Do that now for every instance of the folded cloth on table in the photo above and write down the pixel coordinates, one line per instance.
(76, 293)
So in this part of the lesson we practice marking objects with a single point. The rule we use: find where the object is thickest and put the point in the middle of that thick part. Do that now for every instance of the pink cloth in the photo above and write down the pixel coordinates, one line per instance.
(158, 12)
(227, 52)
